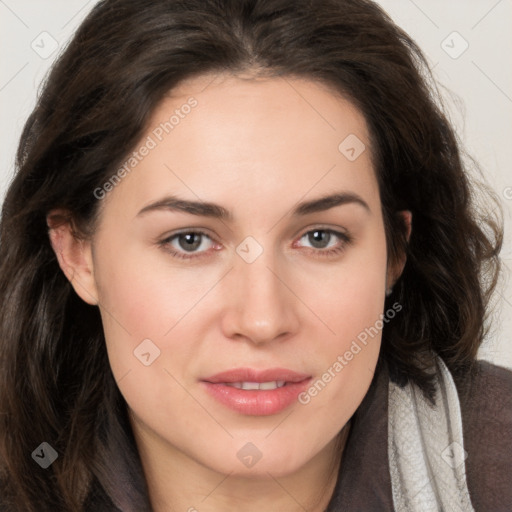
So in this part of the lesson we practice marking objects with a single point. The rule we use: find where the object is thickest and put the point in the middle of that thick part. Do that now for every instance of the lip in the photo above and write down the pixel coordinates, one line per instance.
(256, 402)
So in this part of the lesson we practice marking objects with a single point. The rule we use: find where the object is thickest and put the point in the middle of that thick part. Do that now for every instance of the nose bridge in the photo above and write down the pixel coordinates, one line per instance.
(261, 306)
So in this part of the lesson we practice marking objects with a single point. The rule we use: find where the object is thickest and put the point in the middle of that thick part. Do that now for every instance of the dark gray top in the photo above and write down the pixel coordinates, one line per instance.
(485, 394)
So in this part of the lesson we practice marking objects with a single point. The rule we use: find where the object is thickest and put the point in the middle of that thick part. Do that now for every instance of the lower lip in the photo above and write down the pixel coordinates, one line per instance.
(255, 402)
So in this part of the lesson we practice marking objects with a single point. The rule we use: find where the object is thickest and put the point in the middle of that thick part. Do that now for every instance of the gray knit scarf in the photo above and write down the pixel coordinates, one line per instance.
(426, 448)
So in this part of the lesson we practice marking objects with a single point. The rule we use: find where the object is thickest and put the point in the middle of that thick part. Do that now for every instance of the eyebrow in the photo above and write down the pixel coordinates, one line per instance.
(206, 209)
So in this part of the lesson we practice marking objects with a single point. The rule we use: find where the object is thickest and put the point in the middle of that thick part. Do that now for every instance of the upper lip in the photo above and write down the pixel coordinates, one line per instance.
(252, 375)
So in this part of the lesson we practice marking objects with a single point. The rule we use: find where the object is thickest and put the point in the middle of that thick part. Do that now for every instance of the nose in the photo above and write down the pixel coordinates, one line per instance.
(261, 307)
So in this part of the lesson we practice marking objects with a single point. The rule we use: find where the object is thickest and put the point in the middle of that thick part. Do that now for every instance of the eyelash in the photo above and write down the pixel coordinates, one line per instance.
(322, 253)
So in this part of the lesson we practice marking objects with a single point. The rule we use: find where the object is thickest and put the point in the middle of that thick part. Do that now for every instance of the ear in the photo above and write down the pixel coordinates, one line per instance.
(74, 254)
(395, 271)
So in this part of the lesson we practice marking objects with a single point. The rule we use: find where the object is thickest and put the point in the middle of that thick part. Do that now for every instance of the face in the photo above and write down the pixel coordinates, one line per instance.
(234, 326)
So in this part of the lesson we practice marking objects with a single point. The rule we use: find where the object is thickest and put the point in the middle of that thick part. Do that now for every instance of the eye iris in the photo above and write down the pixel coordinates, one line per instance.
(319, 237)
(193, 241)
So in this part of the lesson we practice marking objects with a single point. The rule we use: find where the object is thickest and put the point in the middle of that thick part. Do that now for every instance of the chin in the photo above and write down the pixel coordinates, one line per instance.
(255, 460)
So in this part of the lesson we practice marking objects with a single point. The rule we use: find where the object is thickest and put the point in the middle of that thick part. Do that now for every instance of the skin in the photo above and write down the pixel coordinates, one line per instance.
(257, 147)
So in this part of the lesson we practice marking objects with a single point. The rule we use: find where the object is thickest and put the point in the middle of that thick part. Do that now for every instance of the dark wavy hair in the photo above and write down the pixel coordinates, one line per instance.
(56, 385)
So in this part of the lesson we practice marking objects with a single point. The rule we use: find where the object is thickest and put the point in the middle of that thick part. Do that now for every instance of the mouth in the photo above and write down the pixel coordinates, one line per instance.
(256, 392)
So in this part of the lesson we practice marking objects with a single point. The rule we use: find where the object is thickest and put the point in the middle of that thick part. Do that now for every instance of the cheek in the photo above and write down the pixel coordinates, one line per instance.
(151, 306)
(138, 301)
(352, 308)
(141, 289)
(349, 296)
(149, 335)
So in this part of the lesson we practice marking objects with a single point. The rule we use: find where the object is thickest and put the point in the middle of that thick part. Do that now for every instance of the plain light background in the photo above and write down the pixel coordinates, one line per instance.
(468, 43)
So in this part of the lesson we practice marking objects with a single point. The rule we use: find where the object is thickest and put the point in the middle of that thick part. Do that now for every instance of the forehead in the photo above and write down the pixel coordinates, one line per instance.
(255, 109)
(227, 136)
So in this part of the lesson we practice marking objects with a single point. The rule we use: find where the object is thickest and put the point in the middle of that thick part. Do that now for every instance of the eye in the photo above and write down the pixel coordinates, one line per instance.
(326, 242)
(187, 244)
(194, 244)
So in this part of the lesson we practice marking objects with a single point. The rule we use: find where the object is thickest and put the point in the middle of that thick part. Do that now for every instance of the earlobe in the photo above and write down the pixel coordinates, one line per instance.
(73, 254)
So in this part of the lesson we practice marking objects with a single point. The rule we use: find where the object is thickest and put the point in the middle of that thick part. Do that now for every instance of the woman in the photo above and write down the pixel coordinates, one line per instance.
(241, 269)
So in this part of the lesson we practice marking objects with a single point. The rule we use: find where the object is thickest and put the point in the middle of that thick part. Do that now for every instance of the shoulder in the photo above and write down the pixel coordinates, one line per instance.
(485, 395)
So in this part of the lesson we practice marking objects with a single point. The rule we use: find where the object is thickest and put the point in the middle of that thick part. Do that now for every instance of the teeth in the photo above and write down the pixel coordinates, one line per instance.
(249, 386)
(272, 385)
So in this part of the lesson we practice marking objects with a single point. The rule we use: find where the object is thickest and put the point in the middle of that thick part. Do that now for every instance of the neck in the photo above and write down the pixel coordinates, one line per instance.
(182, 484)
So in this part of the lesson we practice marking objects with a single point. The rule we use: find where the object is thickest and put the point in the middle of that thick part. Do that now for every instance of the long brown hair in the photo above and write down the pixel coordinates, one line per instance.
(56, 385)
